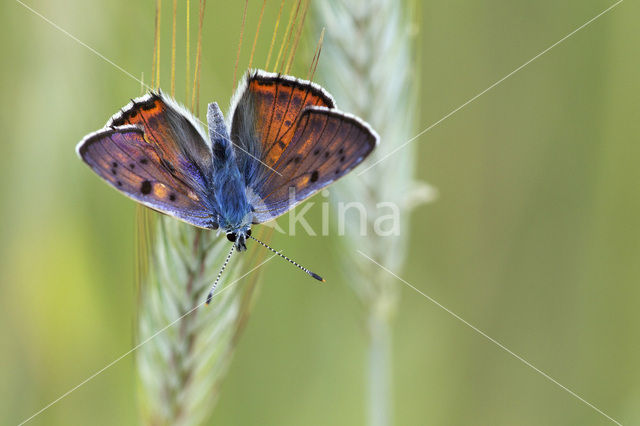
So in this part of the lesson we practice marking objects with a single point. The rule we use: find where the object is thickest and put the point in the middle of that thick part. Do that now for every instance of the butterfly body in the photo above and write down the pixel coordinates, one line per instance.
(229, 187)
(284, 141)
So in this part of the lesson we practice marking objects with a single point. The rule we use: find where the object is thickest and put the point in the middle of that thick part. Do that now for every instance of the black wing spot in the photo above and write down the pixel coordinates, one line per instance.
(316, 152)
(172, 197)
(327, 154)
(132, 166)
(314, 176)
(145, 188)
(118, 183)
(114, 164)
(342, 159)
(144, 161)
(337, 171)
(132, 114)
(281, 144)
(341, 151)
(297, 159)
(113, 171)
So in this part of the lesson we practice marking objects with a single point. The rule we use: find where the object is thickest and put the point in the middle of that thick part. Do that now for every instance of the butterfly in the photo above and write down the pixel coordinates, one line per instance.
(283, 141)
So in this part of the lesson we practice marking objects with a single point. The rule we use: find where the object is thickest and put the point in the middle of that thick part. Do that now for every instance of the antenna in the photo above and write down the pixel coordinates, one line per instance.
(224, 265)
(313, 274)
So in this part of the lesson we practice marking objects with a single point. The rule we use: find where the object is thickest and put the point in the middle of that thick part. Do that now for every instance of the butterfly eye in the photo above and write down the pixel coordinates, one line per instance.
(231, 236)
(248, 232)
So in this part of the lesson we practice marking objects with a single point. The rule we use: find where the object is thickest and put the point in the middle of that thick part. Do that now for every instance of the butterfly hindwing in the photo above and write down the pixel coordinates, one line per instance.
(326, 145)
(129, 162)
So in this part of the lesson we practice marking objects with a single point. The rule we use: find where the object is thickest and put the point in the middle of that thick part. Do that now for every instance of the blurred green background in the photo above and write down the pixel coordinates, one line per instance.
(534, 238)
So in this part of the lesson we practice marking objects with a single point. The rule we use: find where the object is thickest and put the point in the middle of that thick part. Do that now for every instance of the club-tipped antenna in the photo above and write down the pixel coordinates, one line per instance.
(312, 274)
(224, 265)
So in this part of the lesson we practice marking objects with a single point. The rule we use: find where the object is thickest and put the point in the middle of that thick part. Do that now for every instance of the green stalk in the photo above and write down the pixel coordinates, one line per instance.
(367, 62)
(379, 372)
(185, 347)
(180, 369)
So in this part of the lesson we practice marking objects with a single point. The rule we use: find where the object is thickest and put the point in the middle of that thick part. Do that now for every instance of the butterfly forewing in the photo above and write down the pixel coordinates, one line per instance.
(125, 159)
(264, 114)
(175, 133)
(291, 141)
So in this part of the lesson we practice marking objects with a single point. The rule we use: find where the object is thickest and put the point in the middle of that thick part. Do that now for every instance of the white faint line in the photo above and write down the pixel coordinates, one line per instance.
(62, 30)
(491, 339)
(491, 87)
(56, 26)
(115, 361)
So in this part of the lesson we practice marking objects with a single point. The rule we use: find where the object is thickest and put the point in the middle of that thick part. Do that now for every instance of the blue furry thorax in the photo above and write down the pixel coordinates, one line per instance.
(231, 199)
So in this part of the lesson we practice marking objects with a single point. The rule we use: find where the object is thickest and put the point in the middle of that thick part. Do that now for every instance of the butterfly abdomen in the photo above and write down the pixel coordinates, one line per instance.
(219, 135)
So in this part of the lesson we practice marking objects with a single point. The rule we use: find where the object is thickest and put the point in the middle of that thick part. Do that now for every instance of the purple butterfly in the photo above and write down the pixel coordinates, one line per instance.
(284, 142)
